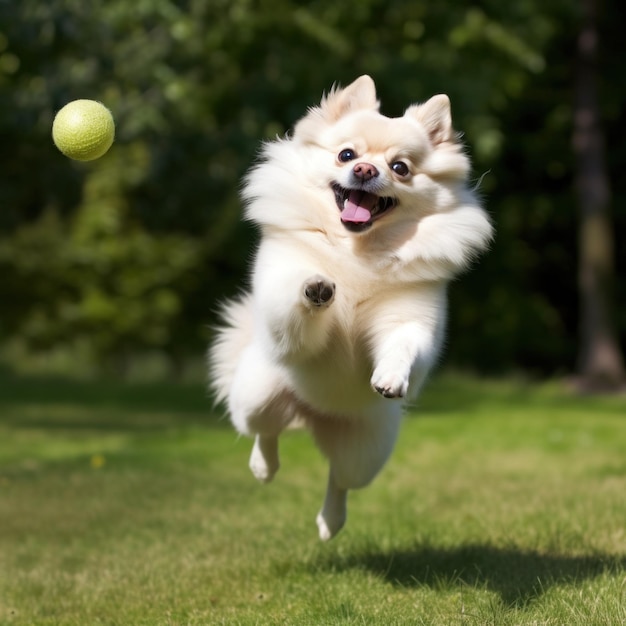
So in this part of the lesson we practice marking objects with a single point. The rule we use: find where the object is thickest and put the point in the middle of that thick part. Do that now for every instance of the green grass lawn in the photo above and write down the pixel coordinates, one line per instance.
(503, 504)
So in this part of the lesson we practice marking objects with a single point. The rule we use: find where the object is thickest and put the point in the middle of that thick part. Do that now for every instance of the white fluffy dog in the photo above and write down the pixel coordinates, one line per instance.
(364, 220)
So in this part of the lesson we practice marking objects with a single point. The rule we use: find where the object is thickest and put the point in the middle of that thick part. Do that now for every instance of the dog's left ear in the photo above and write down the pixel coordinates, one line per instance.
(434, 115)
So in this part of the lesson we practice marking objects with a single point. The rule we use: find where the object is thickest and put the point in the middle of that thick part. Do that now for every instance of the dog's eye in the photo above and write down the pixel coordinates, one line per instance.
(400, 168)
(346, 155)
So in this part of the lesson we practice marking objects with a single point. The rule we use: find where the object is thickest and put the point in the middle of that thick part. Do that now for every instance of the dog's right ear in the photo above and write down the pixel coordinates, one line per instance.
(358, 95)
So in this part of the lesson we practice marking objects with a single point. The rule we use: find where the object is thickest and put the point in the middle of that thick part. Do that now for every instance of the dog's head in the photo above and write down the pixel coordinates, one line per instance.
(378, 167)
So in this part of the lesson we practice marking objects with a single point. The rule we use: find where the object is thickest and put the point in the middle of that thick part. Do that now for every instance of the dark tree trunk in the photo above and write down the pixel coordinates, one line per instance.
(601, 366)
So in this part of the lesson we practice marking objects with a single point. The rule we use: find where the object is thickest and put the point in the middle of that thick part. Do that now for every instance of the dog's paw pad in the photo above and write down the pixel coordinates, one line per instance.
(390, 384)
(319, 291)
(389, 392)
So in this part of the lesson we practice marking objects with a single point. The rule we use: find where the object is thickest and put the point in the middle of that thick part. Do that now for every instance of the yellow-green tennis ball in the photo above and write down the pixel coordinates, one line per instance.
(83, 130)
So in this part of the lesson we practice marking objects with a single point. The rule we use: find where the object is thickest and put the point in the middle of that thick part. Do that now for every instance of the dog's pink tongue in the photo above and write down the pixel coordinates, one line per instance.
(358, 207)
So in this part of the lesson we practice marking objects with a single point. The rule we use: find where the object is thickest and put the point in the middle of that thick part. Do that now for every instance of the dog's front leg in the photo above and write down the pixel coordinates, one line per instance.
(296, 308)
(404, 355)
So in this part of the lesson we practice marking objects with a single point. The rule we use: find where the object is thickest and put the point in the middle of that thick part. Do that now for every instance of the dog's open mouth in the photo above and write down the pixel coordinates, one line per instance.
(359, 208)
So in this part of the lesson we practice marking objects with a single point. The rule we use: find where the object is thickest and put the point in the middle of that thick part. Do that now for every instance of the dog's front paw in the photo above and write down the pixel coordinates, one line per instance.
(318, 291)
(390, 383)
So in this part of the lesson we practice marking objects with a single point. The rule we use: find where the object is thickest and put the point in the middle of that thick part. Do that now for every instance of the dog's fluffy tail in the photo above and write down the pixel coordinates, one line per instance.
(229, 342)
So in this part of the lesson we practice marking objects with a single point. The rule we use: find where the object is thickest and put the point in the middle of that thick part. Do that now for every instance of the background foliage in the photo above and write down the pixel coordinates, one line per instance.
(132, 253)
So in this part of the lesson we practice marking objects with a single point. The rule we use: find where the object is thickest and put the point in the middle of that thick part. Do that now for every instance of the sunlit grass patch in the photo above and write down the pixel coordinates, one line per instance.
(503, 504)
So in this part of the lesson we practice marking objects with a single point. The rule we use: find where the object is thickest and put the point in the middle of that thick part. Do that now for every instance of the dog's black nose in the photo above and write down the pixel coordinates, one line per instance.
(365, 171)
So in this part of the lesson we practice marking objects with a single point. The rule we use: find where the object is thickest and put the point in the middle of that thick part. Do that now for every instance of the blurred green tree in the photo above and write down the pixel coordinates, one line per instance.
(601, 365)
(133, 251)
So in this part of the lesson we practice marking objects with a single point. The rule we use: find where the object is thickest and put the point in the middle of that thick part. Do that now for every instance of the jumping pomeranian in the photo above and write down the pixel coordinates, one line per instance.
(364, 219)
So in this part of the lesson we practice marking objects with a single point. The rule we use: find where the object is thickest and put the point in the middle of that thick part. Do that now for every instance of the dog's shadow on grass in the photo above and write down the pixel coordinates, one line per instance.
(516, 575)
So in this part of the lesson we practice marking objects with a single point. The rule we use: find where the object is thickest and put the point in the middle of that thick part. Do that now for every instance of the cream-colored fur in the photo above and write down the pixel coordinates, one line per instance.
(345, 317)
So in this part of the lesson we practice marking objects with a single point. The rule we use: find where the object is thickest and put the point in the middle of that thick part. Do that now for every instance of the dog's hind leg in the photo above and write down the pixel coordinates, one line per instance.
(264, 461)
(332, 517)
(357, 449)
(261, 407)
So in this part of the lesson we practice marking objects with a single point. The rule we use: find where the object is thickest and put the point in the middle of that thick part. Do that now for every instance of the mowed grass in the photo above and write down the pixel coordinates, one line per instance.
(504, 503)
